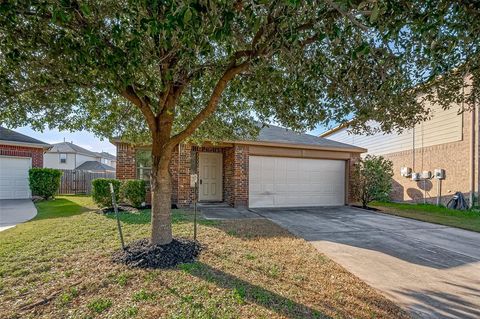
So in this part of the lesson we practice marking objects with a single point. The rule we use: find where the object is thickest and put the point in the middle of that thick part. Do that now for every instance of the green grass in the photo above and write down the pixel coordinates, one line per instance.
(58, 265)
(469, 220)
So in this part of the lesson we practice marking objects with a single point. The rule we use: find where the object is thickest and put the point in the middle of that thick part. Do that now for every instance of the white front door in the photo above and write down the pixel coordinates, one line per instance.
(14, 177)
(295, 182)
(210, 176)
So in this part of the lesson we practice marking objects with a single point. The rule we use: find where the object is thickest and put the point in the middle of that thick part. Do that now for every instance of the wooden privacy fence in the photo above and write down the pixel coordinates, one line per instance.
(80, 181)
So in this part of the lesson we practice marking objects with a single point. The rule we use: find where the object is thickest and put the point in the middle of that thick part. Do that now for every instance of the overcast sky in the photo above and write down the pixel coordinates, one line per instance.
(86, 139)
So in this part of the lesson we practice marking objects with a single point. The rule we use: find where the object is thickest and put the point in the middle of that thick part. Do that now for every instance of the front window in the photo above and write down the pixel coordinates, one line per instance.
(63, 158)
(144, 164)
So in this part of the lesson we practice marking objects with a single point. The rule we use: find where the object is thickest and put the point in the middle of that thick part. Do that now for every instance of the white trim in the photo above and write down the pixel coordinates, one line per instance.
(13, 156)
(34, 145)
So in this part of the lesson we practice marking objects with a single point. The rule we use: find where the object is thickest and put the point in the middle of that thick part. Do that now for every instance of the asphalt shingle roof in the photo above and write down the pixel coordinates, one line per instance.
(12, 136)
(276, 134)
(107, 156)
(94, 166)
(67, 147)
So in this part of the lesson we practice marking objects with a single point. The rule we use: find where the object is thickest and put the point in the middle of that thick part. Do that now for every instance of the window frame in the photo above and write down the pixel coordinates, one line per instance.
(62, 158)
(142, 172)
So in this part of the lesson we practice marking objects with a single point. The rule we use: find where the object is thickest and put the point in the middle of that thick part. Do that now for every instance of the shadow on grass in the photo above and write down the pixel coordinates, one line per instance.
(252, 229)
(61, 207)
(244, 291)
(143, 217)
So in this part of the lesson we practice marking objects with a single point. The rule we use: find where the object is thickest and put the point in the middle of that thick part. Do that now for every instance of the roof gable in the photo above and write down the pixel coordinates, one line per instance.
(68, 147)
(94, 166)
(15, 137)
(276, 134)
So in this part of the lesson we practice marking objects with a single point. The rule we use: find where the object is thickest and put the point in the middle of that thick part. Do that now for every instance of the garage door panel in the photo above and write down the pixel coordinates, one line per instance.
(289, 182)
(262, 201)
(14, 177)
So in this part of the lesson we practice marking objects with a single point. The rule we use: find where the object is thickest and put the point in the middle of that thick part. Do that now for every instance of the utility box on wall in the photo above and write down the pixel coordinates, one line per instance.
(439, 173)
(405, 171)
(426, 174)
(416, 177)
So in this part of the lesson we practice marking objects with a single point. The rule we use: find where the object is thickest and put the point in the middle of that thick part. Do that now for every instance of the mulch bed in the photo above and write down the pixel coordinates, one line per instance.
(367, 208)
(121, 208)
(142, 254)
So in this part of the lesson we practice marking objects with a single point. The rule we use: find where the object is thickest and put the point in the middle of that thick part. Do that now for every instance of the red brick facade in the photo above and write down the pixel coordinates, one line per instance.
(184, 158)
(185, 162)
(126, 168)
(36, 154)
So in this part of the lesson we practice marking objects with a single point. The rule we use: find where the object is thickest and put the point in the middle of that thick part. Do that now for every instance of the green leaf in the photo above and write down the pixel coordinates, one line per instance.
(187, 16)
(85, 9)
(375, 13)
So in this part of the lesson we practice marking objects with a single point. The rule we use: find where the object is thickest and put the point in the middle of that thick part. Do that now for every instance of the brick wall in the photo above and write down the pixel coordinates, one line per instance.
(126, 168)
(185, 192)
(36, 154)
(240, 176)
(453, 157)
(234, 180)
(228, 176)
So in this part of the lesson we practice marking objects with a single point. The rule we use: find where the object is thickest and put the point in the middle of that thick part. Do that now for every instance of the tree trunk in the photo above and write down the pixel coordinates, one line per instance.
(161, 187)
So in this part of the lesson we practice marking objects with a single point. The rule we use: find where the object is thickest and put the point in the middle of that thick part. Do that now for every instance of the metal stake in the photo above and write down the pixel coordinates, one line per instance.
(195, 215)
(115, 207)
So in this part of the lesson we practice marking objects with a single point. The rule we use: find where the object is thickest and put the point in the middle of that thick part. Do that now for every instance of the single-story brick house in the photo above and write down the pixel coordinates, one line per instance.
(280, 168)
(18, 153)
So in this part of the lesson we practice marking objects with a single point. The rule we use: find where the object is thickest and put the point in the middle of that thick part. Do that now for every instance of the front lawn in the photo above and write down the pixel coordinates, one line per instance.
(469, 220)
(58, 266)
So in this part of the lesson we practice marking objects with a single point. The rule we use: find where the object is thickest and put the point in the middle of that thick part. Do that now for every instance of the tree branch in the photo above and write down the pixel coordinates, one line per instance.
(211, 106)
(130, 94)
(347, 15)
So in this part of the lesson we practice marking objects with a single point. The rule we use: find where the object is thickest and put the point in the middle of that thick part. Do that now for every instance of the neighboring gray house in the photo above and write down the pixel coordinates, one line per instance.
(108, 159)
(69, 156)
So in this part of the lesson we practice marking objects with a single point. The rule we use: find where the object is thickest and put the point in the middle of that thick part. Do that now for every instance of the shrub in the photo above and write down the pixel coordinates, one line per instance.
(372, 179)
(44, 182)
(133, 191)
(101, 191)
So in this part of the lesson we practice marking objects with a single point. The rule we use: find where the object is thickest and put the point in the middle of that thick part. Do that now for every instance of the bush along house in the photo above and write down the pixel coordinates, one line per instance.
(280, 168)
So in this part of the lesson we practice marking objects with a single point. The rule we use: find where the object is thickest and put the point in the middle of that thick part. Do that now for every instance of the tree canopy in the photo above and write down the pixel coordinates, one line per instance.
(80, 64)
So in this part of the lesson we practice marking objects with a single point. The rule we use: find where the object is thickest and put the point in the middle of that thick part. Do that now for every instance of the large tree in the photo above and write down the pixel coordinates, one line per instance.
(168, 71)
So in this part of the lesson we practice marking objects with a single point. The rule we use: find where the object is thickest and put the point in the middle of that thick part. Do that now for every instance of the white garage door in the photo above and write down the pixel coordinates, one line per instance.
(14, 177)
(291, 182)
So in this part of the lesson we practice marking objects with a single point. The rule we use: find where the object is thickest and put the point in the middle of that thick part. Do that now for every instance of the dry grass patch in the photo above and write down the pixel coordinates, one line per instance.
(60, 267)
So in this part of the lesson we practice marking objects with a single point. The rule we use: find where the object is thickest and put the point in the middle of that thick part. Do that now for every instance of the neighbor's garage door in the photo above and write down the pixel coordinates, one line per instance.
(289, 182)
(14, 177)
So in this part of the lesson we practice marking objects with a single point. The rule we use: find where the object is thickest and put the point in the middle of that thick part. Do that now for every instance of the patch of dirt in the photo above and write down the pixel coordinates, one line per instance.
(142, 254)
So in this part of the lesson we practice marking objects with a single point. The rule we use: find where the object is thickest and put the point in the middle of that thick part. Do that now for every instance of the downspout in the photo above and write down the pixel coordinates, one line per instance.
(413, 150)
(473, 132)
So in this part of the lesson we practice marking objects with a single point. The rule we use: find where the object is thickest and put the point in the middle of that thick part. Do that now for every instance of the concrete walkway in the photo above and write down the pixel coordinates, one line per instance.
(432, 271)
(15, 211)
(221, 211)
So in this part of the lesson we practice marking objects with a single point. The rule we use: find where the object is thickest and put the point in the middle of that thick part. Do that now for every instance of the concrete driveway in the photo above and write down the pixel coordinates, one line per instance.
(15, 211)
(431, 270)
